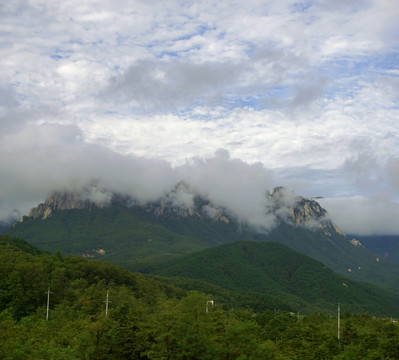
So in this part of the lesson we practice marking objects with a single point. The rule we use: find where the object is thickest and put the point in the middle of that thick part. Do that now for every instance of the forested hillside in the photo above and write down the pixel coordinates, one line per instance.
(134, 238)
(274, 269)
(149, 320)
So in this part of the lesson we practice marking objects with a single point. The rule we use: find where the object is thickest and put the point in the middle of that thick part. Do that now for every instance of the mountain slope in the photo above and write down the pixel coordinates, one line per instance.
(387, 246)
(348, 258)
(26, 273)
(126, 234)
(274, 269)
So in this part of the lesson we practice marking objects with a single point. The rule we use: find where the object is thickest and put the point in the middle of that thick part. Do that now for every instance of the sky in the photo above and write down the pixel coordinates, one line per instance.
(234, 97)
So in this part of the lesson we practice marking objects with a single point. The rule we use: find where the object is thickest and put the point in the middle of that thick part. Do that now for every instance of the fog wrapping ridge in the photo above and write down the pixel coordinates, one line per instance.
(59, 162)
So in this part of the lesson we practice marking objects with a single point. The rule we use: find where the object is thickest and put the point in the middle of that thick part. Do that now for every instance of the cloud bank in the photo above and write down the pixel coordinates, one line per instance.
(40, 159)
(364, 216)
(46, 158)
(139, 95)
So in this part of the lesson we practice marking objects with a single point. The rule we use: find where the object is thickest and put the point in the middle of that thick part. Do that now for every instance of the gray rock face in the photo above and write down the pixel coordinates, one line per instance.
(183, 202)
(180, 202)
(306, 210)
(59, 201)
(288, 206)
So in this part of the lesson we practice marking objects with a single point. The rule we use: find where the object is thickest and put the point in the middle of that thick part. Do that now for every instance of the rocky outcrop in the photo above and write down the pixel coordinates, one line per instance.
(182, 201)
(288, 207)
(306, 210)
(296, 209)
(87, 198)
(58, 201)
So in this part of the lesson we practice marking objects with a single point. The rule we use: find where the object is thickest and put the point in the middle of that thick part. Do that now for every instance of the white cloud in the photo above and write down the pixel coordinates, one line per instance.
(359, 215)
(303, 87)
(48, 158)
(232, 183)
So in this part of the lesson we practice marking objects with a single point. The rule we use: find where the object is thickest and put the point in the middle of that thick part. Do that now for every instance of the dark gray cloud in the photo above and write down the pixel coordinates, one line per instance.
(310, 89)
(160, 85)
(167, 83)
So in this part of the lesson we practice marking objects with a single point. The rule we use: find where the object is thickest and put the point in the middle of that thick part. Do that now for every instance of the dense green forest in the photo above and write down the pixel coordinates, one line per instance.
(274, 269)
(148, 319)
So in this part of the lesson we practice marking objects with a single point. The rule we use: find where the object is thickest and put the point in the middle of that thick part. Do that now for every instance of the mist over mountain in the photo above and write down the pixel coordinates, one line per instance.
(232, 183)
(228, 182)
(272, 208)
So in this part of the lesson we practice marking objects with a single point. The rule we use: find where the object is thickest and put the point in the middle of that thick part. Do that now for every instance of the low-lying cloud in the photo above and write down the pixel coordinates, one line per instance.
(46, 158)
(41, 159)
(360, 215)
(37, 160)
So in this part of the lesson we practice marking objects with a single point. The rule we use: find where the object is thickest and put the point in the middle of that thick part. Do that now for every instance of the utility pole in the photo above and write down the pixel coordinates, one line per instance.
(48, 302)
(339, 320)
(106, 303)
(208, 302)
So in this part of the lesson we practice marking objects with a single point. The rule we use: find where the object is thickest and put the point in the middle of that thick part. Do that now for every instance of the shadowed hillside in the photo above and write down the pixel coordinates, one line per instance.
(274, 269)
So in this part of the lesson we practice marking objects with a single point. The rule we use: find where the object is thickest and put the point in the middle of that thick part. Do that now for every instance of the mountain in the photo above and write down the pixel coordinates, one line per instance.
(274, 269)
(137, 235)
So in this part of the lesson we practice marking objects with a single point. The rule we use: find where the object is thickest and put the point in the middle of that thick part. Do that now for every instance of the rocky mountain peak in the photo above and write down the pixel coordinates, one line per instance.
(287, 204)
(87, 198)
(306, 210)
(183, 201)
(302, 211)
(57, 201)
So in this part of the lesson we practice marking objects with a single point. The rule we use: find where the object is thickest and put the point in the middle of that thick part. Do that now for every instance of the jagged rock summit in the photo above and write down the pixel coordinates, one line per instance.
(182, 201)
(58, 201)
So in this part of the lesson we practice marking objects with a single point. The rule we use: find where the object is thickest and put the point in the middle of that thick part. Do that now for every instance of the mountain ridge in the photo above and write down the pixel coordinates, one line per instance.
(183, 201)
(136, 235)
